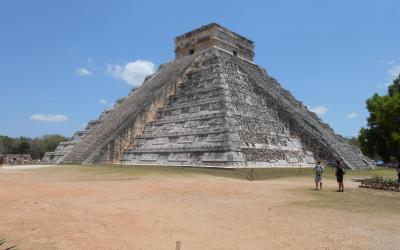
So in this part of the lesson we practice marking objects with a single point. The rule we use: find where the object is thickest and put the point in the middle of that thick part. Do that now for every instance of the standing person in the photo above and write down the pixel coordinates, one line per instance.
(339, 176)
(318, 169)
(398, 174)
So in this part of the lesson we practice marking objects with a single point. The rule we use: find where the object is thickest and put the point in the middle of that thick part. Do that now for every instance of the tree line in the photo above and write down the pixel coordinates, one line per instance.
(380, 139)
(36, 147)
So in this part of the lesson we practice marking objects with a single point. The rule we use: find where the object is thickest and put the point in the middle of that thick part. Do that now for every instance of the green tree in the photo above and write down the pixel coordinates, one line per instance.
(5, 144)
(23, 145)
(353, 141)
(381, 138)
(50, 142)
(36, 147)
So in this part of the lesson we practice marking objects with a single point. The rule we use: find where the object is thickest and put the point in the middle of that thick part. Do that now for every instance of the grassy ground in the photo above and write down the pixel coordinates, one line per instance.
(355, 200)
(263, 174)
(359, 200)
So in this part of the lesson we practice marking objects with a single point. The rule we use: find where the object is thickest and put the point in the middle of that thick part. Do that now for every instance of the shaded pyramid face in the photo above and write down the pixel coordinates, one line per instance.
(216, 117)
(211, 106)
(228, 112)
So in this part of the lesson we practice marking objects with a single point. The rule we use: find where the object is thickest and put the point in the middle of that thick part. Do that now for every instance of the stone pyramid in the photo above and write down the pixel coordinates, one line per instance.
(211, 106)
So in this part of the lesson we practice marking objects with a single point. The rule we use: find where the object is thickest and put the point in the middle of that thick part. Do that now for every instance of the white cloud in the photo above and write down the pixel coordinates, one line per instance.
(49, 118)
(115, 70)
(351, 115)
(384, 85)
(394, 70)
(391, 62)
(319, 110)
(387, 61)
(83, 72)
(133, 72)
(105, 102)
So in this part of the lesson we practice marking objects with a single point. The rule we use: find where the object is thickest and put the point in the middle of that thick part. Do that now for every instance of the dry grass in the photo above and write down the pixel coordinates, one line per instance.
(263, 174)
(114, 207)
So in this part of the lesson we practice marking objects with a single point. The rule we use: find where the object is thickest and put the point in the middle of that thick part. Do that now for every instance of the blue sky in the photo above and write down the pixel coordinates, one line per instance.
(63, 62)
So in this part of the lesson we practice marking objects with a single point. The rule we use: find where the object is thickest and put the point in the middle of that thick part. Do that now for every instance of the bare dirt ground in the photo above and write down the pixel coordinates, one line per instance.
(77, 208)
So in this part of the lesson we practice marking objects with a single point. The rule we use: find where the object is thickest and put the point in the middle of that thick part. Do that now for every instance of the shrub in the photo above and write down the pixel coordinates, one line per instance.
(380, 181)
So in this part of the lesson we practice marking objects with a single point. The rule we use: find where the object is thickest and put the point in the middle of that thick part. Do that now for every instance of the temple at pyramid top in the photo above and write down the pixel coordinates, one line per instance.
(216, 36)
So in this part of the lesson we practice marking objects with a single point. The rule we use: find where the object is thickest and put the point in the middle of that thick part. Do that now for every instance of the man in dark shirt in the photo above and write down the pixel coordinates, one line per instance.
(339, 176)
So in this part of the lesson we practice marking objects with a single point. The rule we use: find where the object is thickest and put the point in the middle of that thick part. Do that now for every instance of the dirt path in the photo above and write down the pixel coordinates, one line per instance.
(24, 167)
(51, 209)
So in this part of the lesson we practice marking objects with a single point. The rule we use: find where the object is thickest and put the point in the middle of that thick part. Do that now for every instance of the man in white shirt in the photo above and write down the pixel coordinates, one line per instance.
(318, 169)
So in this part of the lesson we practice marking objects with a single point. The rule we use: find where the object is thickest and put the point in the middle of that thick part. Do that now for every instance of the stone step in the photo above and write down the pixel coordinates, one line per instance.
(219, 99)
(184, 149)
(194, 132)
(194, 100)
(202, 81)
(199, 72)
(217, 87)
(200, 93)
(189, 117)
(198, 85)
(195, 97)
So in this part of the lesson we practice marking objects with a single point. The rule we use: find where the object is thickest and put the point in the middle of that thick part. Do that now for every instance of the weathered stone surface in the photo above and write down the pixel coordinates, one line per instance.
(113, 133)
(213, 36)
(211, 106)
(215, 118)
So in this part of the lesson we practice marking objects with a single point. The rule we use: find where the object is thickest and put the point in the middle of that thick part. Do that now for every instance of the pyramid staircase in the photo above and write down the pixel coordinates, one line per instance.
(203, 124)
(211, 106)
